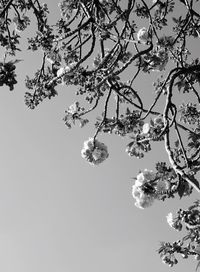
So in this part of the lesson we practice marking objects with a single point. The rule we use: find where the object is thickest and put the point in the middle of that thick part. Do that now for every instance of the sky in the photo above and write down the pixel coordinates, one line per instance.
(60, 214)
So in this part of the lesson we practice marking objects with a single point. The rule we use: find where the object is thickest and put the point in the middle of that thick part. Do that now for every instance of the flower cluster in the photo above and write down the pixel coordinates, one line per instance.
(94, 151)
(142, 191)
(150, 186)
(143, 35)
(174, 222)
(154, 128)
(189, 245)
(73, 114)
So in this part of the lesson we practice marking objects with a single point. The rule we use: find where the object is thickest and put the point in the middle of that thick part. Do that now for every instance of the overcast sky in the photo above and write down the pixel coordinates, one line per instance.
(58, 213)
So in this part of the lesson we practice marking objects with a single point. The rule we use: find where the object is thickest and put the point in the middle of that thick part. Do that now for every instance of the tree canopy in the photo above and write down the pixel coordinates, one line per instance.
(103, 47)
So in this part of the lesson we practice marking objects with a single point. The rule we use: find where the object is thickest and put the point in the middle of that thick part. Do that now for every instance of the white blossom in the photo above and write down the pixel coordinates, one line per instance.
(149, 174)
(144, 177)
(144, 201)
(145, 128)
(94, 151)
(170, 220)
(140, 179)
(50, 61)
(143, 35)
(136, 191)
(62, 70)
(73, 108)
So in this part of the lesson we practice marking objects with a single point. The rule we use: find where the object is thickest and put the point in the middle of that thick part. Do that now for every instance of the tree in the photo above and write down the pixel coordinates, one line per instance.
(93, 45)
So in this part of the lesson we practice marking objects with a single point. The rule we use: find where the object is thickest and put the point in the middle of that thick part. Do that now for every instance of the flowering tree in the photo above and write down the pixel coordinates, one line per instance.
(93, 45)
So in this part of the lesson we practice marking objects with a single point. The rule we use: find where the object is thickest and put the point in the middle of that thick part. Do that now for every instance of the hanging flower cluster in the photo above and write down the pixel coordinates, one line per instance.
(150, 186)
(143, 193)
(94, 151)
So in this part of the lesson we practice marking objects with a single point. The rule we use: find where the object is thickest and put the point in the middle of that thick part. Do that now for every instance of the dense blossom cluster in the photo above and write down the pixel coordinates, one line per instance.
(94, 151)
(148, 187)
(144, 197)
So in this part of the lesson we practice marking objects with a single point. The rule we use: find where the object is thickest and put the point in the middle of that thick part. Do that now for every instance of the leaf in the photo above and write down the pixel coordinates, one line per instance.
(151, 122)
(181, 189)
(176, 143)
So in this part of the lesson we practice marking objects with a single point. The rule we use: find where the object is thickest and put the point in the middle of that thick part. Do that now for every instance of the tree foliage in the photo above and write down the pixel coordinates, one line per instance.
(99, 46)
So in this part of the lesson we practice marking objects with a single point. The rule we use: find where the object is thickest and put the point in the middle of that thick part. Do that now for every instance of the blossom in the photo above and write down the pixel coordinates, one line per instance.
(73, 108)
(143, 35)
(162, 186)
(145, 128)
(149, 174)
(144, 177)
(51, 61)
(140, 179)
(173, 222)
(144, 201)
(170, 219)
(94, 151)
(136, 191)
(62, 70)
